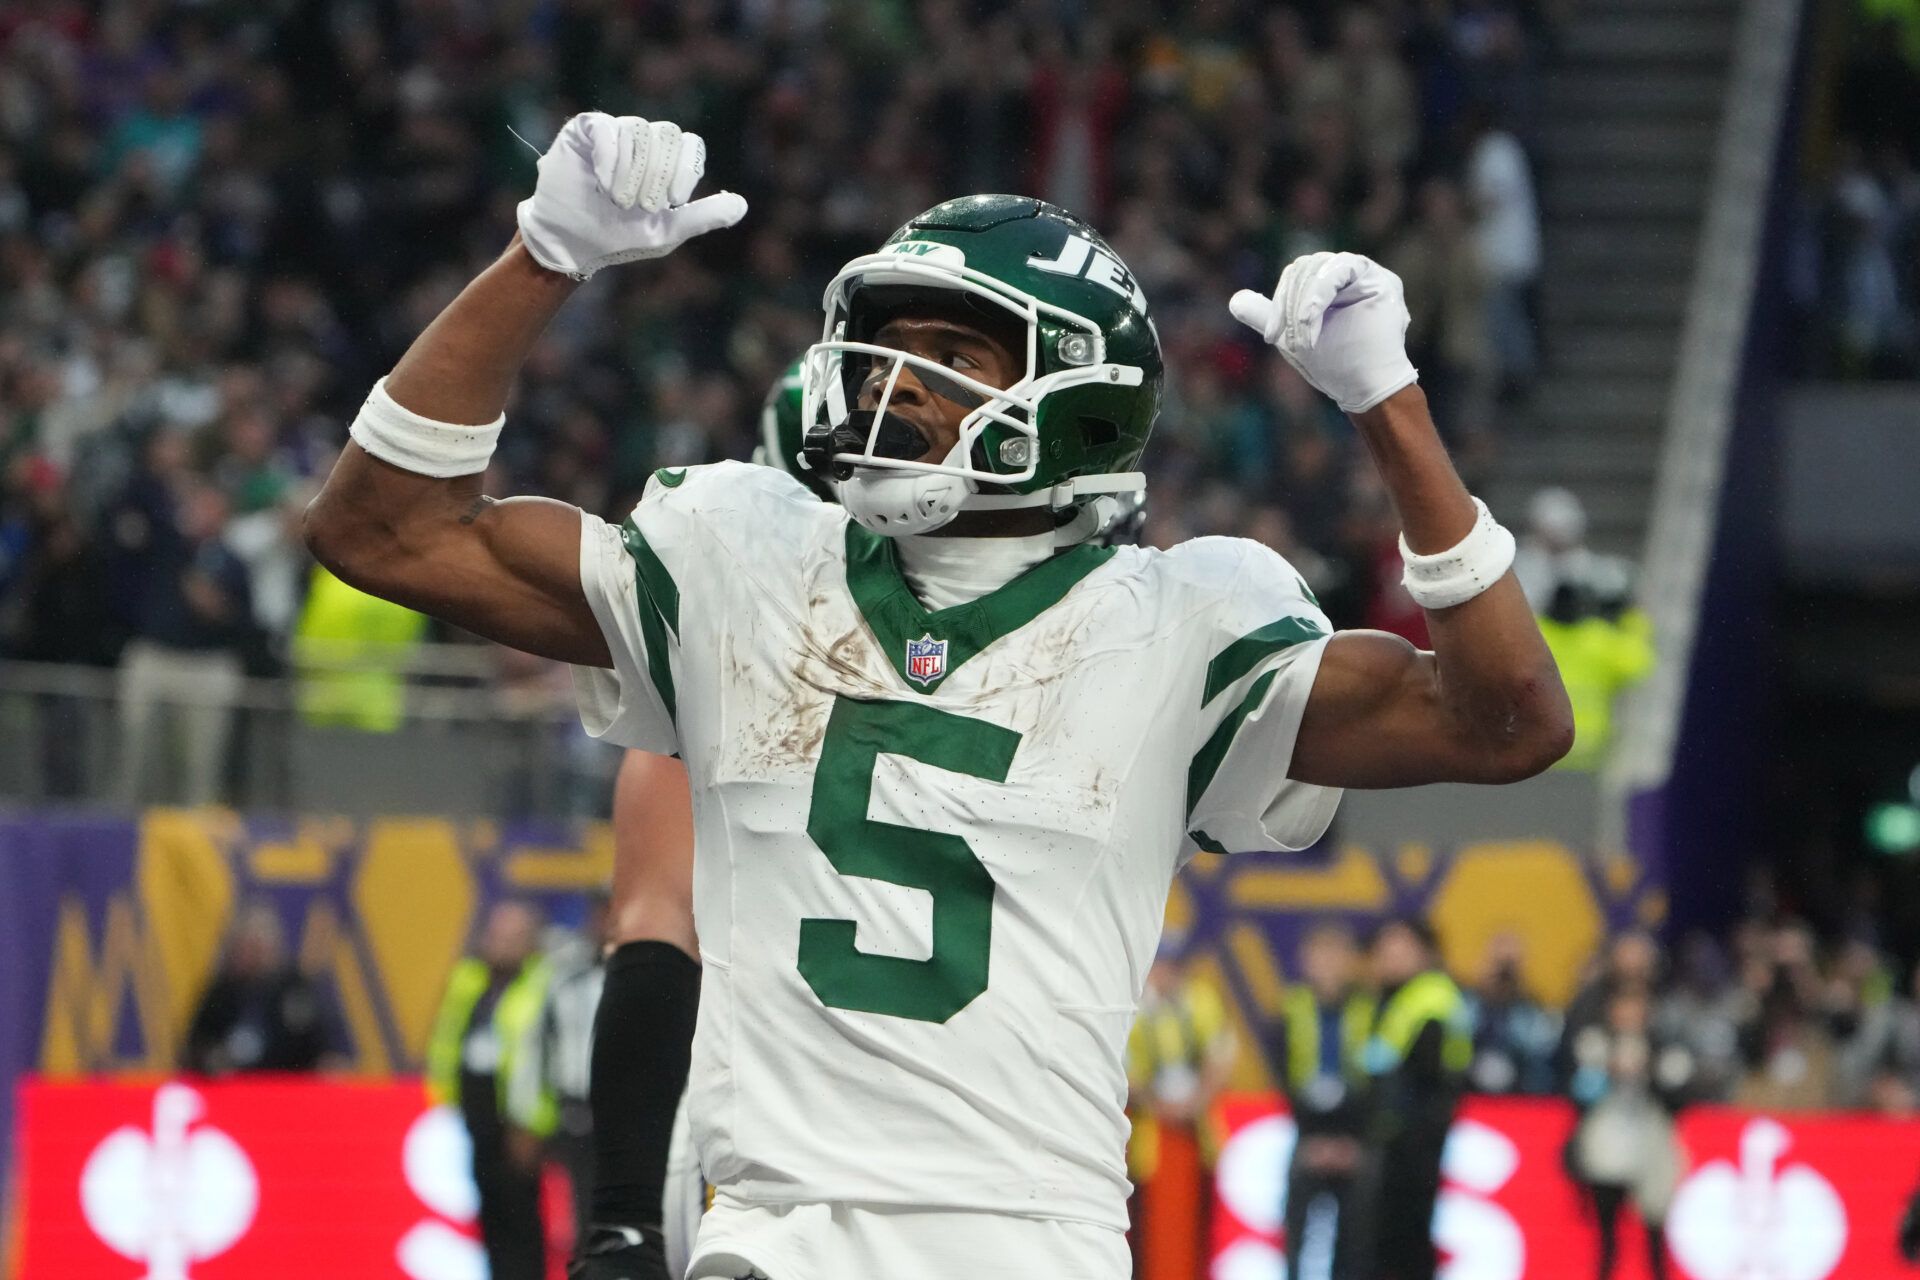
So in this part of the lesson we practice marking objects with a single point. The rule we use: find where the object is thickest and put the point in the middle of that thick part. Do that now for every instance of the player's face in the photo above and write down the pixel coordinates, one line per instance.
(937, 408)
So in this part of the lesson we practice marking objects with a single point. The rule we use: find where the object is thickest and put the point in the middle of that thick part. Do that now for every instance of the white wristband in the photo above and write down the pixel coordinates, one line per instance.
(421, 445)
(1464, 570)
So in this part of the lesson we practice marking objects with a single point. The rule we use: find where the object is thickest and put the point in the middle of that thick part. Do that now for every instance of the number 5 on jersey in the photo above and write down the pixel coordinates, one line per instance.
(844, 977)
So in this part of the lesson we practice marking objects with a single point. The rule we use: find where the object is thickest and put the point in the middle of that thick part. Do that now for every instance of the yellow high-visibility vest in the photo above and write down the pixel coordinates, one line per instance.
(515, 1022)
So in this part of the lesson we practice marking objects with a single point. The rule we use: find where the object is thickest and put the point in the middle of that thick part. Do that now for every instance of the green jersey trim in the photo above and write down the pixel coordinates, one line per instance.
(1250, 650)
(897, 618)
(659, 604)
(1206, 762)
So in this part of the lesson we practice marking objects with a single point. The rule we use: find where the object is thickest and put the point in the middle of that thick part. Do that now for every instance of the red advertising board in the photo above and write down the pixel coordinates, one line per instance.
(302, 1180)
(1764, 1198)
(235, 1181)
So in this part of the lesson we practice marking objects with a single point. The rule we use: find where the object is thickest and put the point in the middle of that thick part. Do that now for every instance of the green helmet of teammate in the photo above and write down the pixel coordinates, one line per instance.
(1072, 425)
(780, 434)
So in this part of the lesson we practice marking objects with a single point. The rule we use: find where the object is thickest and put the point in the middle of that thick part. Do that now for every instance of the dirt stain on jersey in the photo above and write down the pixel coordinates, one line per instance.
(798, 695)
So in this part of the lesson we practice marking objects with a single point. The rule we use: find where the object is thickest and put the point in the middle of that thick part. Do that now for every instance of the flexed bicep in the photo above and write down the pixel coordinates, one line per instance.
(505, 570)
(1378, 717)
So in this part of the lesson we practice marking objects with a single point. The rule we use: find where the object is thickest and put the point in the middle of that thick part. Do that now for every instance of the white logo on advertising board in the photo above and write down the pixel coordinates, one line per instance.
(1252, 1179)
(437, 1156)
(172, 1197)
(1479, 1238)
(1759, 1221)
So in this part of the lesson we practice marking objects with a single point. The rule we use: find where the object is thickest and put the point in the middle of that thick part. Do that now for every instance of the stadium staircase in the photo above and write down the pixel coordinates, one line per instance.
(1633, 98)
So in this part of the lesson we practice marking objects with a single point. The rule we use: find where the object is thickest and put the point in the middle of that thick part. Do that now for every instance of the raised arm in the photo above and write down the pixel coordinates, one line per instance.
(402, 515)
(1487, 704)
(508, 570)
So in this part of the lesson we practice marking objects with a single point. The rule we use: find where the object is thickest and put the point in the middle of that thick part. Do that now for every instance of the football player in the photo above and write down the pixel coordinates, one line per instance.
(942, 769)
(644, 1030)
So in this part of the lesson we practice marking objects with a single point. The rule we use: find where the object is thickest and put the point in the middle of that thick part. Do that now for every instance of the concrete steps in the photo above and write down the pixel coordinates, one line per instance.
(1649, 36)
(1625, 142)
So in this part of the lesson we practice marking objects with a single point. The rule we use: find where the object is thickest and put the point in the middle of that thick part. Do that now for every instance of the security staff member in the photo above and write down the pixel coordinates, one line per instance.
(1317, 1047)
(1179, 1054)
(486, 1018)
(550, 1083)
(1415, 1058)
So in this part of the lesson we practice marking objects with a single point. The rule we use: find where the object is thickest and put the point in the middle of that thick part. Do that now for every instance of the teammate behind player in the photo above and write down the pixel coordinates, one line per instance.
(940, 783)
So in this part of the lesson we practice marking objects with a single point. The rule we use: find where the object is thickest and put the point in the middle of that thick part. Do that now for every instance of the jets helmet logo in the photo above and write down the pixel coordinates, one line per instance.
(1083, 258)
(926, 659)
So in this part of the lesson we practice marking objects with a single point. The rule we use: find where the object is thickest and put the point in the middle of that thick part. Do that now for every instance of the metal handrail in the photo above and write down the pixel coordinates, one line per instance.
(278, 693)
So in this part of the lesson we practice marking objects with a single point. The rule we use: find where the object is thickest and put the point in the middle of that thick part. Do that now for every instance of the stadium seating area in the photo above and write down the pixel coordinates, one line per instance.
(220, 223)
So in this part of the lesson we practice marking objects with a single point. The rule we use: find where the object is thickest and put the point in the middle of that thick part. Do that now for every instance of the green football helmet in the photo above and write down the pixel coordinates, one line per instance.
(1066, 435)
(780, 433)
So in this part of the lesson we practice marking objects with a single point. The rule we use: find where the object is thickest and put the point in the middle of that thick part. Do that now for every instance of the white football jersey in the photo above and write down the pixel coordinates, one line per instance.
(933, 849)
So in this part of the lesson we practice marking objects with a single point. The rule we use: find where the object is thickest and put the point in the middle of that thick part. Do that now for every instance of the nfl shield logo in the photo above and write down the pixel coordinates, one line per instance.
(926, 659)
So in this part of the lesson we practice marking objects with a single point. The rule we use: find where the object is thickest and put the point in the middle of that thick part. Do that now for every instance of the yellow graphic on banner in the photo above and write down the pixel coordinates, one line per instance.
(84, 1000)
(591, 864)
(327, 949)
(1352, 883)
(185, 882)
(414, 899)
(1534, 889)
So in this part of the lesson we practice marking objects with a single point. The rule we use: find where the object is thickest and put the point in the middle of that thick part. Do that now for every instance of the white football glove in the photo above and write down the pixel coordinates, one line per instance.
(1341, 320)
(616, 189)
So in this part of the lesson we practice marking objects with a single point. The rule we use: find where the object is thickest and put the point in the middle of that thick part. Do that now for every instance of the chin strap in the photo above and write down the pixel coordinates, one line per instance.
(1058, 496)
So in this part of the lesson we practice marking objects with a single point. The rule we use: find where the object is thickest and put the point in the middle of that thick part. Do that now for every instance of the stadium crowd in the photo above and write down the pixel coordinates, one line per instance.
(1768, 1015)
(219, 223)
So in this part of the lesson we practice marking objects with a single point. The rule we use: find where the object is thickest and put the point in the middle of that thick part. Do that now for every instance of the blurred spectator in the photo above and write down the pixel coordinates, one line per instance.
(1514, 1036)
(1553, 552)
(351, 652)
(1870, 230)
(184, 666)
(1602, 648)
(1879, 1034)
(487, 1018)
(1416, 1059)
(1602, 644)
(1627, 1082)
(1077, 101)
(549, 1082)
(1179, 1054)
(1507, 231)
(1630, 963)
(1364, 78)
(1317, 1048)
(1703, 1010)
(1446, 283)
(1857, 247)
(1786, 1042)
(259, 1012)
